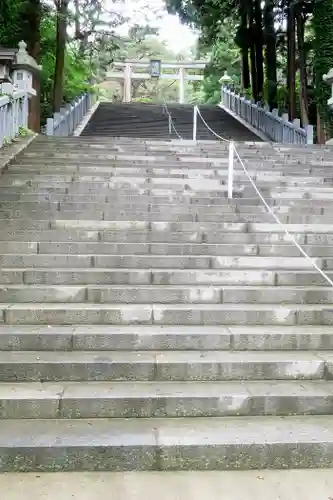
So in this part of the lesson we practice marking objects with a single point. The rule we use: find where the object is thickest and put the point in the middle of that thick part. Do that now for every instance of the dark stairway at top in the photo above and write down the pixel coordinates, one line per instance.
(149, 121)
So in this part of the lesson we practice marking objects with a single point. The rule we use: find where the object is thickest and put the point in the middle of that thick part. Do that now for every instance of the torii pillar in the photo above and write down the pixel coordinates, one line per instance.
(181, 85)
(127, 94)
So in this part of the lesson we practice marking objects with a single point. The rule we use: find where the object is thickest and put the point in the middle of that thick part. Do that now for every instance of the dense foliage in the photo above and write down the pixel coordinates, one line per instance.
(75, 41)
(284, 47)
(69, 38)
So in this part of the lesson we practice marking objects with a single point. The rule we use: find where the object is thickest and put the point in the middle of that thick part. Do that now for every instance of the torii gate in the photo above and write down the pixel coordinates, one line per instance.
(154, 69)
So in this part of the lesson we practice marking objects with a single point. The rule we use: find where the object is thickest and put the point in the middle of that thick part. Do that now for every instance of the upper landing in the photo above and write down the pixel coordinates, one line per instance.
(150, 121)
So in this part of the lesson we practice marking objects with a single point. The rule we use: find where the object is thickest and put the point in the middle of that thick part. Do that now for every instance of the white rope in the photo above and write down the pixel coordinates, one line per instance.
(165, 107)
(175, 130)
(210, 129)
(268, 208)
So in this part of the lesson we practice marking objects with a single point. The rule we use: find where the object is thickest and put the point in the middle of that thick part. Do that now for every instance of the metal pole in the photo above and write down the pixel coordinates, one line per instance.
(230, 170)
(195, 122)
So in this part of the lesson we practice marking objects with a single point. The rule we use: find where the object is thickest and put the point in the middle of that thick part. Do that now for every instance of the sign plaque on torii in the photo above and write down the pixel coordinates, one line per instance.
(155, 68)
(124, 71)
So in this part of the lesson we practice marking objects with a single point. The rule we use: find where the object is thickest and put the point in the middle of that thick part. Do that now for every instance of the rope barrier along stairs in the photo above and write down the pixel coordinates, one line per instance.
(172, 126)
(233, 153)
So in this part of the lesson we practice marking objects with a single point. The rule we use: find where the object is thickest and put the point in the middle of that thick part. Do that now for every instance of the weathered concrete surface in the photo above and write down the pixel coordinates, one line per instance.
(243, 485)
(168, 444)
(10, 152)
(130, 287)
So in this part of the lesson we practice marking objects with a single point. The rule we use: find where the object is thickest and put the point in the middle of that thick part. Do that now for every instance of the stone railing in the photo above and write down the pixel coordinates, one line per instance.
(69, 118)
(14, 112)
(274, 127)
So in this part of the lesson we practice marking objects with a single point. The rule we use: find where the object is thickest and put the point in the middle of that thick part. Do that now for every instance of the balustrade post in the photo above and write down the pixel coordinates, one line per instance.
(285, 135)
(50, 126)
(309, 134)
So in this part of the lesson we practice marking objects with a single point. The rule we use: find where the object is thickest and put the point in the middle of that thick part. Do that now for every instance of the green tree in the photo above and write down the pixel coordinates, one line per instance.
(285, 40)
(223, 56)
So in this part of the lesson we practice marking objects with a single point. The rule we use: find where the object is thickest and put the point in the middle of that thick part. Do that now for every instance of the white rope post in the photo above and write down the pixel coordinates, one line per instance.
(195, 122)
(231, 169)
(170, 124)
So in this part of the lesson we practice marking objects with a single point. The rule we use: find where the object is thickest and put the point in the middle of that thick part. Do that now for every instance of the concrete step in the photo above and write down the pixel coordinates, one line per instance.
(52, 204)
(159, 262)
(166, 338)
(74, 400)
(101, 248)
(165, 314)
(160, 167)
(167, 160)
(174, 152)
(98, 205)
(46, 366)
(203, 147)
(184, 179)
(84, 193)
(134, 203)
(166, 444)
(46, 219)
(172, 171)
(165, 294)
(107, 276)
(126, 236)
(177, 151)
(185, 227)
(129, 211)
(42, 220)
(310, 187)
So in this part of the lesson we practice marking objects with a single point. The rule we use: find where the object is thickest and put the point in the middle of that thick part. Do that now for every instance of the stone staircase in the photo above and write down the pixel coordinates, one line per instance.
(148, 323)
(149, 121)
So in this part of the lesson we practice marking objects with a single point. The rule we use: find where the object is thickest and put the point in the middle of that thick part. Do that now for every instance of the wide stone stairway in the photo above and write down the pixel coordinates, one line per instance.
(150, 323)
(151, 121)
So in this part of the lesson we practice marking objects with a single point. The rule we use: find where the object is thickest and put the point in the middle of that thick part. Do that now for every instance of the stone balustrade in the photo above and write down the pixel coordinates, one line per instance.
(269, 123)
(14, 111)
(69, 117)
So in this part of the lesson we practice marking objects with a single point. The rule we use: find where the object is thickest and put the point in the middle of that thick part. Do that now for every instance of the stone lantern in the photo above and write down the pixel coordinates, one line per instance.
(25, 75)
(225, 79)
(24, 69)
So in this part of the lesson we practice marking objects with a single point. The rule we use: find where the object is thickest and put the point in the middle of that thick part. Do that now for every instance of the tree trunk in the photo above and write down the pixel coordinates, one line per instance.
(58, 84)
(245, 69)
(31, 14)
(259, 48)
(253, 73)
(245, 52)
(77, 19)
(253, 61)
(270, 53)
(300, 22)
(291, 68)
(322, 23)
(321, 136)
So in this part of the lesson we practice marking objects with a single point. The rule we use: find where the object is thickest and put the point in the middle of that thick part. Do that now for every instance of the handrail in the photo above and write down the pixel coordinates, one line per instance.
(69, 118)
(232, 151)
(275, 127)
(171, 122)
(14, 112)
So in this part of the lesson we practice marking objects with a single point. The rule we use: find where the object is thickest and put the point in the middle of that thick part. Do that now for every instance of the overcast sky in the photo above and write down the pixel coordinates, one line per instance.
(177, 36)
